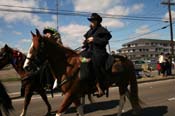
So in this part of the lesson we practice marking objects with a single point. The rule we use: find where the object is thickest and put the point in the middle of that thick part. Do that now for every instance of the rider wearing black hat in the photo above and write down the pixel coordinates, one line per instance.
(96, 39)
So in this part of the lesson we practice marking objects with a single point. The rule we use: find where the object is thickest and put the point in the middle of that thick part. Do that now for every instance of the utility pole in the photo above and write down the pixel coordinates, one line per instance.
(169, 3)
(57, 14)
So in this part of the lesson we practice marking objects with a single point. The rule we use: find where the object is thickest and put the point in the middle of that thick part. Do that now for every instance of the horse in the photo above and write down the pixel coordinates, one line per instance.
(5, 101)
(65, 65)
(30, 82)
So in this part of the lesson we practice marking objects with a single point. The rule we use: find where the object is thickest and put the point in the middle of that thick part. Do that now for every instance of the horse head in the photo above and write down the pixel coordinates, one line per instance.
(35, 56)
(5, 56)
(11, 56)
(44, 49)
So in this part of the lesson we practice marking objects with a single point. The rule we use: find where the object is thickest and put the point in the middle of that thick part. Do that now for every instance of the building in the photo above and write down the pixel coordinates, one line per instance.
(146, 49)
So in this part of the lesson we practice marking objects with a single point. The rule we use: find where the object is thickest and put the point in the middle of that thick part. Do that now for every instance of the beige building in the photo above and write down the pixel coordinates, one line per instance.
(146, 49)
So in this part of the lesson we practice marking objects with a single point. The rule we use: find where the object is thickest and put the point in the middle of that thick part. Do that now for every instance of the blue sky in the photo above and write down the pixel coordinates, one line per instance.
(15, 27)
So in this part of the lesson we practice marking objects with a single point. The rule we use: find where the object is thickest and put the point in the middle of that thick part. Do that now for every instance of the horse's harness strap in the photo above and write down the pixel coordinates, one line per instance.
(33, 60)
(68, 78)
(24, 78)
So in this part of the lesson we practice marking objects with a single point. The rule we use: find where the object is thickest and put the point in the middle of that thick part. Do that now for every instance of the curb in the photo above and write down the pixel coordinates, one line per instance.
(150, 79)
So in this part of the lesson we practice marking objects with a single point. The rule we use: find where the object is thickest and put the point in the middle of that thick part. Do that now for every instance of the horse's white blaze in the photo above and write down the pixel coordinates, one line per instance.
(121, 104)
(28, 56)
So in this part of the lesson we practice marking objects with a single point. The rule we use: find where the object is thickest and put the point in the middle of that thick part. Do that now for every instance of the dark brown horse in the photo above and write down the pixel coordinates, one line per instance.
(5, 101)
(31, 83)
(65, 65)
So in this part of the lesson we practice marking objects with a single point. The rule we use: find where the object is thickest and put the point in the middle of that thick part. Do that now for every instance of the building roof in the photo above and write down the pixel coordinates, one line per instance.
(141, 47)
(143, 40)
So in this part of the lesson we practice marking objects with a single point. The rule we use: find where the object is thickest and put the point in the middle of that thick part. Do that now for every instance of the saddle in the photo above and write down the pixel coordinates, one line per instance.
(113, 64)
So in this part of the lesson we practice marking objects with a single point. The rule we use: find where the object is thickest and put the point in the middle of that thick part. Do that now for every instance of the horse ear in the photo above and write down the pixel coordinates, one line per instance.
(37, 32)
(33, 34)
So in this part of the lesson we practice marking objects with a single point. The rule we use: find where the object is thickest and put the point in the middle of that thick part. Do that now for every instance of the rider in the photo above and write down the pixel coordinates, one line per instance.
(52, 33)
(96, 39)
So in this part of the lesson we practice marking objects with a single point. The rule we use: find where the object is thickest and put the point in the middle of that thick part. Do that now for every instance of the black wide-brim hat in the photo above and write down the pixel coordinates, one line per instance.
(95, 17)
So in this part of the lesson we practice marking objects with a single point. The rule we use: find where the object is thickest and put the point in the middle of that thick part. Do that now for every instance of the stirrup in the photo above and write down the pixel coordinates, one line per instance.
(55, 84)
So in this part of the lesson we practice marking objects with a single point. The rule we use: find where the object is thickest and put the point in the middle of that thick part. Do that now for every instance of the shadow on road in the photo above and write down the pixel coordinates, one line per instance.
(149, 111)
(88, 108)
(106, 105)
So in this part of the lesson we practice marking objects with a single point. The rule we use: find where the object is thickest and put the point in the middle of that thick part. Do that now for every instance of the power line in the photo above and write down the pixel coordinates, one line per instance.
(77, 13)
(143, 34)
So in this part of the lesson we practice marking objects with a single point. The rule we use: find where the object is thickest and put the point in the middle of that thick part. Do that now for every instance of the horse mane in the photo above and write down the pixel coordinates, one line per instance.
(18, 54)
(14, 50)
(69, 52)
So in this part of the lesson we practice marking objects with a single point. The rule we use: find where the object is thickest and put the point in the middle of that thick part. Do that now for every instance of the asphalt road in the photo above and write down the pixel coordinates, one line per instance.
(159, 99)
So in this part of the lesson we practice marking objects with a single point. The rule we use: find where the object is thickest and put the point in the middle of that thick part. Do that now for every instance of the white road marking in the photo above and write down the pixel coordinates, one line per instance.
(36, 97)
(171, 99)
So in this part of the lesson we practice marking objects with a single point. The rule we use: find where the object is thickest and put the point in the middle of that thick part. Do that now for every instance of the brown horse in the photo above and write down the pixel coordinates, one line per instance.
(65, 65)
(30, 82)
(5, 101)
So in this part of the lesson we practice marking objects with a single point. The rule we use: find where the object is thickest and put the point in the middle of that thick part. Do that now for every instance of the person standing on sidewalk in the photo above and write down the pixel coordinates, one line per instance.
(162, 63)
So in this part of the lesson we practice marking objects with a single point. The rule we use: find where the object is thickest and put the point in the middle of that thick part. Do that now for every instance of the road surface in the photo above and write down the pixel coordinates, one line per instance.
(159, 99)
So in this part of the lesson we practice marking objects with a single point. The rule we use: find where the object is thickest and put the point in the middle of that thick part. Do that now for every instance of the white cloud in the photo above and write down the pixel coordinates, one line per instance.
(166, 17)
(112, 7)
(94, 5)
(73, 29)
(23, 44)
(72, 34)
(136, 8)
(118, 10)
(113, 23)
(1, 44)
(143, 30)
(25, 41)
(28, 18)
(17, 33)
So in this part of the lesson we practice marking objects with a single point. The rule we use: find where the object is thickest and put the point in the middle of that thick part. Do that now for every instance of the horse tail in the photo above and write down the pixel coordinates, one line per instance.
(5, 100)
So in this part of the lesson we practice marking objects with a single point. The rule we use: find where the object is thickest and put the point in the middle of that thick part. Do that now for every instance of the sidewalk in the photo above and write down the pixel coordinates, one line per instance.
(152, 79)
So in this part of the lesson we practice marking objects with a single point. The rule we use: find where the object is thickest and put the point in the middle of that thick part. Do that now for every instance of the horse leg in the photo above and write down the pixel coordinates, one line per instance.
(136, 107)
(28, 95)
(122, 100)
(67, 100)
(42, 93)
(134, 98)
(91, 98)
(0, 113)
(79, 107)
(83, 99)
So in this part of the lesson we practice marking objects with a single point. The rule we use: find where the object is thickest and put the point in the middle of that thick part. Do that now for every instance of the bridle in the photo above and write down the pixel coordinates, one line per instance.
(37, 62)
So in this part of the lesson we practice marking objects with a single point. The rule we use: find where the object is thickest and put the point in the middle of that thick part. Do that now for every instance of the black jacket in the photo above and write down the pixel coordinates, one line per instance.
(101, 37)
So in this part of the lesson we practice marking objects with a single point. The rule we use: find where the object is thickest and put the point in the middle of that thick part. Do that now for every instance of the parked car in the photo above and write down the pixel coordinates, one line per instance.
(142, 68)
